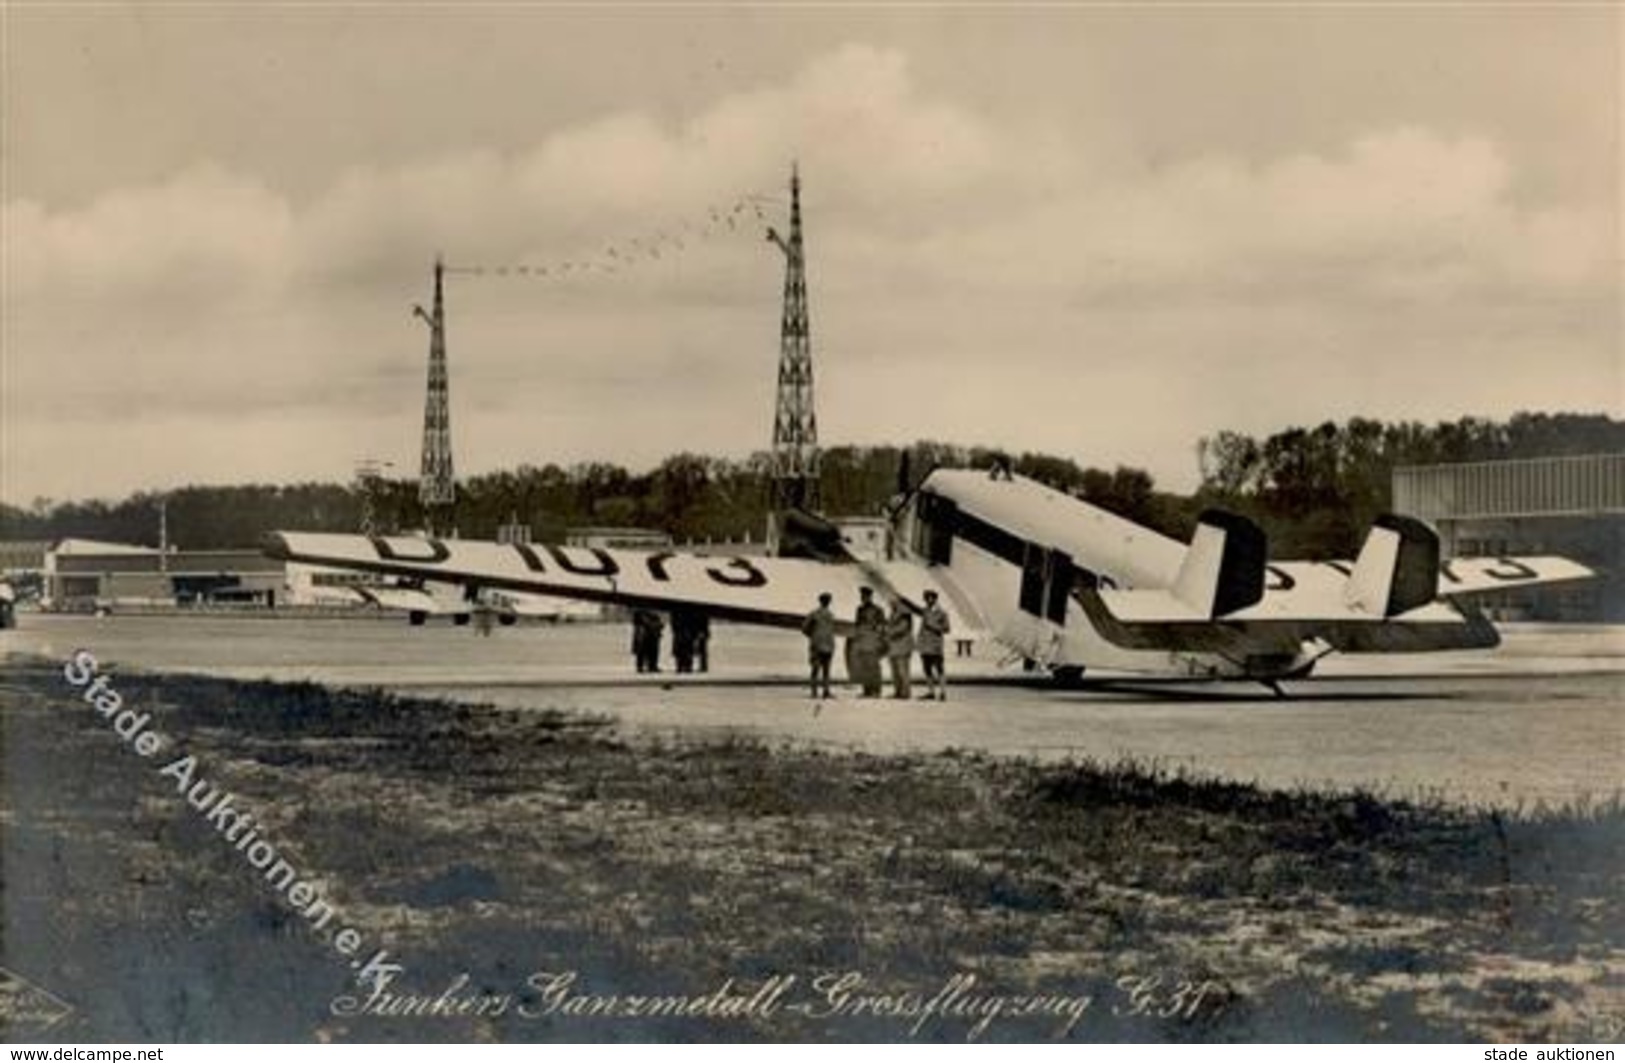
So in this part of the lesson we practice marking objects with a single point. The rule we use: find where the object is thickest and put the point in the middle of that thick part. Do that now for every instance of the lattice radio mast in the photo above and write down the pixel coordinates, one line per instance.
(437, 485)
(795, 425)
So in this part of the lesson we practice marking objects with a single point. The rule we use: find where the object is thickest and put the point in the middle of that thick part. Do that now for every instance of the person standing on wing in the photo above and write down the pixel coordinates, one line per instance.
(934, 628)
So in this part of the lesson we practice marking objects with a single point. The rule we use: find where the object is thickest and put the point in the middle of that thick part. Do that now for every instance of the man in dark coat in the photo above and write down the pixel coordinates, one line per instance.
(702, 642)
(900, 646)
(683, 637)
(819, 627)
(646, 628)
(867, 644)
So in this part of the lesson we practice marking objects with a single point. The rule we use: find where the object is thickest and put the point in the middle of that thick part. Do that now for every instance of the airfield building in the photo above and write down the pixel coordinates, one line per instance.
(618, 538)
(23, 556)
(1573, 506)
(82, 574)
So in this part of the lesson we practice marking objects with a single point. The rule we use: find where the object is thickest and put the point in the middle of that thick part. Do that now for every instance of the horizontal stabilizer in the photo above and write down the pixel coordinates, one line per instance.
(1398, 567)
(1223, 570)
(1153, 620)
(1464, 576)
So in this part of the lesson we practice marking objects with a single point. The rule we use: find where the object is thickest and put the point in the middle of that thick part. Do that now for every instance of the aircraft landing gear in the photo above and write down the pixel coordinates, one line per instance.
(1070, 675)
(417, 618)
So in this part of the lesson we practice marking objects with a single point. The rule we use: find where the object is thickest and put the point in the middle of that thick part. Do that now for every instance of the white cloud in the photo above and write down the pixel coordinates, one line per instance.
(1399, 214)
(965, 250)
(206, 231)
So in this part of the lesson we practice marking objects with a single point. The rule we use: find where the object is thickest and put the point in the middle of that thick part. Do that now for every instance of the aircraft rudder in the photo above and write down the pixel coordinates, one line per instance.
(1223, 570)
(1398, 567)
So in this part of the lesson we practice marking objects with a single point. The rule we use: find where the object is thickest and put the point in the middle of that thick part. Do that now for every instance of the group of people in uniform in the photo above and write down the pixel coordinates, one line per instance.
(690, 640)
(877, 634)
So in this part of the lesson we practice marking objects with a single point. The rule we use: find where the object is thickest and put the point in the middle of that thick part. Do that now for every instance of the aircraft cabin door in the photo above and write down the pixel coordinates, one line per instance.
(1031, 598)
(1046, 582)
(1060, 578)
(937, 517)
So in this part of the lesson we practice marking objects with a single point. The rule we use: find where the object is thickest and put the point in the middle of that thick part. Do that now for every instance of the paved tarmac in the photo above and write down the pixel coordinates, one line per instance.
(1542, 719)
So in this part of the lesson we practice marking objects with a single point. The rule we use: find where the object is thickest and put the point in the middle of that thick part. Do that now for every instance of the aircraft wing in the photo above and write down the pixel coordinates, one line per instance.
(1479, 575)
(1458, 577)
(774, 591)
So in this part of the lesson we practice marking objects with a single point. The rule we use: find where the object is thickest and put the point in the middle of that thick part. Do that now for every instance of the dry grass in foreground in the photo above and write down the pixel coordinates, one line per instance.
(493, 843)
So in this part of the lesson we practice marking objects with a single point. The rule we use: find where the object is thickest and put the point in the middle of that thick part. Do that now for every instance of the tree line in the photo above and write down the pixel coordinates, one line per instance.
(694, 497)
(1315, 490)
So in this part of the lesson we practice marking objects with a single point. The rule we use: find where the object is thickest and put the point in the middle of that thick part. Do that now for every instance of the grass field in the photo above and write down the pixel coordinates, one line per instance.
(497, 843)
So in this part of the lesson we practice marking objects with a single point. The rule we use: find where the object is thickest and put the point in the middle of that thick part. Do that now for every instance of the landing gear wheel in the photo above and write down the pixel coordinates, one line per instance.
(1069, 675)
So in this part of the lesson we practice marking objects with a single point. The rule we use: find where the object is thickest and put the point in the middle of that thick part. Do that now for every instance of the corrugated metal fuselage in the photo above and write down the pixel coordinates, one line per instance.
(1017, 553)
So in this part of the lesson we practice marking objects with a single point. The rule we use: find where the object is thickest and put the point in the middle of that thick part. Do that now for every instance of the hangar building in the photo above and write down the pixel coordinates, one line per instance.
(1573, 506)
(83, 574)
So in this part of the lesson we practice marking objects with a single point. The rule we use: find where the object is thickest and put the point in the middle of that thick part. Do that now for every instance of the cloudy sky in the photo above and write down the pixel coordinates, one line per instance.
(1097, 231)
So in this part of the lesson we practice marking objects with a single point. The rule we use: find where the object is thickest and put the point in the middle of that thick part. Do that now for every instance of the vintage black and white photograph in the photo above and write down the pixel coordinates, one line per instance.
(963, 523)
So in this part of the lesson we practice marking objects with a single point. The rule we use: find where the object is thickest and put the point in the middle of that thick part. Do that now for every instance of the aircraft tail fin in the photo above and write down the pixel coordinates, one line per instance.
(1398, 567)
(1223, 569)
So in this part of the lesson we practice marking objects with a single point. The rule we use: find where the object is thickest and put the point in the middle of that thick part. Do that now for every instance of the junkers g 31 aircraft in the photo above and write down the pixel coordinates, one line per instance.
(1048, 577)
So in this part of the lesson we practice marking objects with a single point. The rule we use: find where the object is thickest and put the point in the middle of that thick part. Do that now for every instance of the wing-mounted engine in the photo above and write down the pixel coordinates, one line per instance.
(811, 536)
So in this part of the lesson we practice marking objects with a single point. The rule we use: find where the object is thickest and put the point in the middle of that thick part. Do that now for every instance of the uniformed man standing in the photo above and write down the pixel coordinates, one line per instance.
(867, 644)
(819, 627)
(646, 631)
(934, 628)
(684, 634)
(702, 642)
(900, 646)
